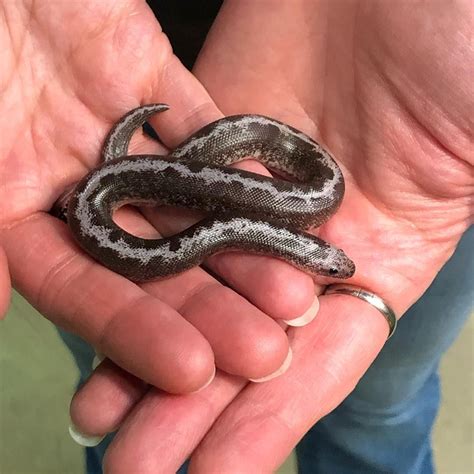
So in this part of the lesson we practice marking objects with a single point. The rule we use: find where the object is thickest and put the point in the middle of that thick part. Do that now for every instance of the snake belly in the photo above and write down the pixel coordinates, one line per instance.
(248, 212)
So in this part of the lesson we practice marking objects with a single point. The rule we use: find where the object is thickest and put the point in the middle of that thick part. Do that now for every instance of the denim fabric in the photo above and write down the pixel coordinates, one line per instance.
(385, 424)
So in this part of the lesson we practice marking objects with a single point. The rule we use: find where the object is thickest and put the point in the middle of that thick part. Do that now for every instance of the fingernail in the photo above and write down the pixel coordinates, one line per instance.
(98, 358)
(208, 382)
(82, 439)
(307, 317)
(284, 367)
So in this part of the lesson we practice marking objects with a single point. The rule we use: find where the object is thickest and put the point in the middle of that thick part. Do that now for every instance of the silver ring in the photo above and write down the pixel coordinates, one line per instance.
(370, 298)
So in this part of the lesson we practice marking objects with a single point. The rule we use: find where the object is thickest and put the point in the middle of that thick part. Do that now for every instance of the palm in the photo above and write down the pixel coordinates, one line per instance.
(388, 112)
(401, 128)
(70, 92)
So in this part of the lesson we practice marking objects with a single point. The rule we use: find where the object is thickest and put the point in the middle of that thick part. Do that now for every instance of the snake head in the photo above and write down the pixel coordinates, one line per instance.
(338, 266)
(321, 258)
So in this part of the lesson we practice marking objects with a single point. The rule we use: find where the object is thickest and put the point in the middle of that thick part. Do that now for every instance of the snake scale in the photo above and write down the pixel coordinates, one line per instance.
(247, 211)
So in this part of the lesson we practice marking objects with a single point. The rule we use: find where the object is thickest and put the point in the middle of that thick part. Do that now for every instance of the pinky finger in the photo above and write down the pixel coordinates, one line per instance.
(104, 401)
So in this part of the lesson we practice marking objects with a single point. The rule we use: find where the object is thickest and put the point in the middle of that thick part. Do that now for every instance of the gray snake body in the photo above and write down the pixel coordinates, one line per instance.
(248, 211)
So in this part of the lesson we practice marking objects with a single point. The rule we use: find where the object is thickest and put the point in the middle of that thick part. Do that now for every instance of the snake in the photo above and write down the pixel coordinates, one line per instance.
(245, 211)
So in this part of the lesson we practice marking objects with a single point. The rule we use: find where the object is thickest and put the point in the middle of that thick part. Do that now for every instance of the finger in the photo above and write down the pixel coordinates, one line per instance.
(102, 403)
(331, 354)
(244, 340)
(162, 430)
(191, 107)
(5, 284)
(106, 398)
(137, 331)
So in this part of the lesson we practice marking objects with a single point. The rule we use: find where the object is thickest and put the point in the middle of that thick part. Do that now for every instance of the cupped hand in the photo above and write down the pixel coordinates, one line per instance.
(390, 94)
(69, 71)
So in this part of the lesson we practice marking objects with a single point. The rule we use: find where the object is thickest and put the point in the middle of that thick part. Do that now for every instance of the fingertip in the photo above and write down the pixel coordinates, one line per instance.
(156, 344)
(264, 354)
(281, 370)
(211, 379)
(245, 342)
(274, 286)
(307, 316)
(194, 371)
(87, 441)
(102, 403)
(289, 292)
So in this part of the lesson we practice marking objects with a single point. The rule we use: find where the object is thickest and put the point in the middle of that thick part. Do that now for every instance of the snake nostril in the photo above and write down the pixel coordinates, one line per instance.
(333, 271)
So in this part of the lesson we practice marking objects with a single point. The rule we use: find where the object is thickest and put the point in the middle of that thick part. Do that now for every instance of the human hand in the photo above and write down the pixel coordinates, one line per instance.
(71, 69)
(376, 86)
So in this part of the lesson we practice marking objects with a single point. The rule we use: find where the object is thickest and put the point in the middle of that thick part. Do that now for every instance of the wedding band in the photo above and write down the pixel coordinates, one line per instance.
(370, 298)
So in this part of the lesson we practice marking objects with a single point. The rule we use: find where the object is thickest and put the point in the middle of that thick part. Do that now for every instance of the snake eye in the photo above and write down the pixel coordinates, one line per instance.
(333, 271)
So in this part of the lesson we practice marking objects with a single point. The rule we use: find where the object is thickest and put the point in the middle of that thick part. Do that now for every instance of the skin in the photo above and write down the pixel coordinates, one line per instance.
(389, 112)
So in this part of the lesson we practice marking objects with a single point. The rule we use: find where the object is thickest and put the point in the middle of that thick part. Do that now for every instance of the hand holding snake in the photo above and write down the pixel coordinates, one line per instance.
(397, 243)
(151, 330)
(400, 226)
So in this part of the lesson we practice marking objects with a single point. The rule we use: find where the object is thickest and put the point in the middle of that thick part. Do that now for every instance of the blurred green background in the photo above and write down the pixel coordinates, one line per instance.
(38, 375)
